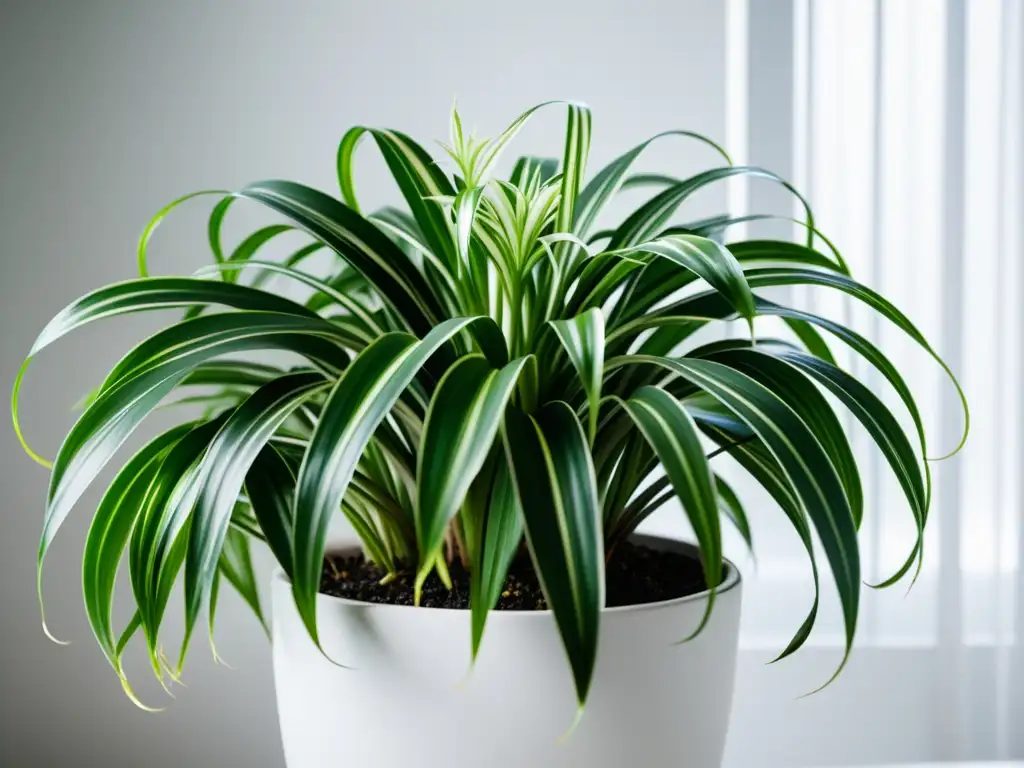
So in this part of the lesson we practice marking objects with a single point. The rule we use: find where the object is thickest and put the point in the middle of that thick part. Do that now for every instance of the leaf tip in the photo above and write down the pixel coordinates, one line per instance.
(42, 611)
(51, 636)
(577, 719)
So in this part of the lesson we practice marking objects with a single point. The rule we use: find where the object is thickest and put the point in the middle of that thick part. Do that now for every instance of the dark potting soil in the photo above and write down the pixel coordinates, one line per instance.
(635, 574)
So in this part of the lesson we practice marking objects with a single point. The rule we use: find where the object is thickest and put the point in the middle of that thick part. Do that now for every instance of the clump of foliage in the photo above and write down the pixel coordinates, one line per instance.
(485, 367)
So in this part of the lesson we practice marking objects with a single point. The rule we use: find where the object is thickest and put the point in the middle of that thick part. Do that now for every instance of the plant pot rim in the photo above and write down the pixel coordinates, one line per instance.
(730, 580)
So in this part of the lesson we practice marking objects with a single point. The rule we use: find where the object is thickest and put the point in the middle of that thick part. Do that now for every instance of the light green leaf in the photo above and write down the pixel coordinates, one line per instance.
(235, 564)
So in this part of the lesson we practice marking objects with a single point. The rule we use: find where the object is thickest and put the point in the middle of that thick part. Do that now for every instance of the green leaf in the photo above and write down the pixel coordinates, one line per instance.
(574, 162)
(645, 222)
(270, 485)
(501, 536)
(810, 406)
(880, 423)
(155, 222)
(805, 463)
(360, 243)
(811, 339)
(709, 261)
(673, 435)
(780, 252)
(583, 340)
(460, 427)
(464, 209)
(366, 326)
(292, 262)
(222, 474)
(419, 178)
(158, 293)
(236, 566)
(609, 179)
(146, 375)
(557, 493)
(363, 396)
(775, 276)
(600, 277)
(731, 507)
(231, 373)
(248, 247)
(160, 536)
(734, 437)
(108, 535)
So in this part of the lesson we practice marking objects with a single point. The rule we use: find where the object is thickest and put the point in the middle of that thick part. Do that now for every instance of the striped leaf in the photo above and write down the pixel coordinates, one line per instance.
(771, 277)
(673, 435)
(583, 340)
(360, 243)
(222, 474)
(108, 535)
(810, 406)
(160, 537)
(880, 423)
(235, 565)
(647, 220)
(557, 493)
(270, 486)
(500, 537)
(601, 421)
(363, 396)
(462, 422)
(807, 467)
(419, 178)
(709, 261)
(146, 375)
(606, 183)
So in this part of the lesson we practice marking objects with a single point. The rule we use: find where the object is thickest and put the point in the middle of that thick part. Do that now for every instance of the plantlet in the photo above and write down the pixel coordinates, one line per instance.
(486, 367)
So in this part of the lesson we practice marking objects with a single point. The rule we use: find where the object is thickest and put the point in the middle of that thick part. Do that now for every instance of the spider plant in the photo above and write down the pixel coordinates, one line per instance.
(485, 367)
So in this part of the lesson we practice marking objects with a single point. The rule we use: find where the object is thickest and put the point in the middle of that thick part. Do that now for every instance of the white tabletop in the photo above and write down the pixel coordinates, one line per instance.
(949, 765)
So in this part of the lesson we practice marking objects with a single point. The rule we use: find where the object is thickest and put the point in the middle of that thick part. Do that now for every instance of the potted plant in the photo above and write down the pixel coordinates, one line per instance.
(495, 393)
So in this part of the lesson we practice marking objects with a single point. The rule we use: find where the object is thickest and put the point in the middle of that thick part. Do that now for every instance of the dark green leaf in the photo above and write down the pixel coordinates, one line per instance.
(556, 489)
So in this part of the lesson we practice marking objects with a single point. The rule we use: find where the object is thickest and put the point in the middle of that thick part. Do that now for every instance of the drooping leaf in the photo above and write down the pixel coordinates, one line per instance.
(673, 435)
(359, 243)
(109, 533)
(557, 493)
(461, 424)
(363, 396)
(270, 485)
(235, 564)
(813, 477)
(222, 474)
(810, 406)
(607, 182)
(501, 536)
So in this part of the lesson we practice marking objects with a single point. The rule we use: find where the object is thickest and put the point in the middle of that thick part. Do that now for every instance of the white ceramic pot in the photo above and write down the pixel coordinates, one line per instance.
(406, 699)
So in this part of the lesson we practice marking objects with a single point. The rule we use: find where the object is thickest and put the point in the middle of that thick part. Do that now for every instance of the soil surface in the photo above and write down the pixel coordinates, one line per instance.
(635, 575)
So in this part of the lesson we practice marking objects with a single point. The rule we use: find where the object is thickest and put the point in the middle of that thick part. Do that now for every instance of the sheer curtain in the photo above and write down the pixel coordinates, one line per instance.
(903, 121)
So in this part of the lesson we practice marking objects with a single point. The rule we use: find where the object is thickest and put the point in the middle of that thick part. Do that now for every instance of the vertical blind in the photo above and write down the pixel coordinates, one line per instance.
(903, 122)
